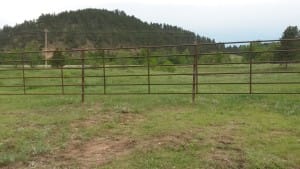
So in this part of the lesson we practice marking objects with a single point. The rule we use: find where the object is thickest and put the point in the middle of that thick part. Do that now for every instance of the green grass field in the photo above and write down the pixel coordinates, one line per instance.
(151, 131)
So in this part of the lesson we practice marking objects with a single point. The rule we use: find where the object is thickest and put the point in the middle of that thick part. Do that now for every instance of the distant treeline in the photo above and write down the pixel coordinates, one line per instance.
(285, 50)
(93, 28)
(101, 29)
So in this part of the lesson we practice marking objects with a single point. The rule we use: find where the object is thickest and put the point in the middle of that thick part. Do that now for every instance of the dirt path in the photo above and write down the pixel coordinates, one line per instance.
(226, 152)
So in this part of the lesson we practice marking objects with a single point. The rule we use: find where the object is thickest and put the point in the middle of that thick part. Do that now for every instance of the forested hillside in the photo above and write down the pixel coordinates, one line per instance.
(92, 28)
(99, 28)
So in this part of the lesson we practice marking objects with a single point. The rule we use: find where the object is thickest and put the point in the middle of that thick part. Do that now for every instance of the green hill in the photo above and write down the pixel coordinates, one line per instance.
(92, 28)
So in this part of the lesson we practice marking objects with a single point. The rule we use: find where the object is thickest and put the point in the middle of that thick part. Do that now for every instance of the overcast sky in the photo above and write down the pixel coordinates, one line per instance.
(223, 20)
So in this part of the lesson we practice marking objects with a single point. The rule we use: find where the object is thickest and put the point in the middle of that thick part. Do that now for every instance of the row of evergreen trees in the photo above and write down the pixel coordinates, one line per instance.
(93, 28)
(287, 49)
(102, 28)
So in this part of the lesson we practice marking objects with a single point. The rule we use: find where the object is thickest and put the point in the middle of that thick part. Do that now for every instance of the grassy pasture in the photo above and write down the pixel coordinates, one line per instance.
(151, 131)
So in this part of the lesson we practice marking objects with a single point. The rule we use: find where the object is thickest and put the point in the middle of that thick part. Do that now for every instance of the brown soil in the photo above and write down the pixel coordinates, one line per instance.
(101, 151)
(98, 152)
(226, 152)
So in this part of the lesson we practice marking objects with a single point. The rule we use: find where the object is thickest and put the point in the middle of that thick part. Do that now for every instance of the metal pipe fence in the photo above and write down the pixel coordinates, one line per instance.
(19, 69)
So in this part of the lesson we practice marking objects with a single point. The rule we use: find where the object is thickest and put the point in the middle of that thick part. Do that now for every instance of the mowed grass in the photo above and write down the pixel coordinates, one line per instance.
(151, 131)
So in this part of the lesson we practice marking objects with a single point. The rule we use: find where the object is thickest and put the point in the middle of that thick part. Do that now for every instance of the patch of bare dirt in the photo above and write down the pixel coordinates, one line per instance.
(98, 152)
(121, 118)
(280, 133)
(227, 153)
(228, 159)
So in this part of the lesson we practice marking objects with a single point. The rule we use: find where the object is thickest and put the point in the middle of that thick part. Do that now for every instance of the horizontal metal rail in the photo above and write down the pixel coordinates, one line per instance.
(23, 75)
(154, 46)
(154, 84)
(163, 93)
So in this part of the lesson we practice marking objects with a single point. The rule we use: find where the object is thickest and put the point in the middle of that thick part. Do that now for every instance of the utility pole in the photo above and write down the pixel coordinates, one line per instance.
(46, 46)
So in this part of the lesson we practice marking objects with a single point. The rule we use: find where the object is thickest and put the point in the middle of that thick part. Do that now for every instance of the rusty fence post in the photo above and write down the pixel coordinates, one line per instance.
(23, 73)
(148, 70)
(197, 57)
(250, 68)
(62, 80)
(82, 76)
(104, 72)
(195, 74)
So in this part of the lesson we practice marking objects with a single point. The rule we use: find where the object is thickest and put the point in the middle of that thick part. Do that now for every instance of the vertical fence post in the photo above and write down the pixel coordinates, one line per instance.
(62, 80)
(148, 71)
(197, 56)
(104, 72)
(250, 68)
(82, 76)
(23, 73)
(194, 91)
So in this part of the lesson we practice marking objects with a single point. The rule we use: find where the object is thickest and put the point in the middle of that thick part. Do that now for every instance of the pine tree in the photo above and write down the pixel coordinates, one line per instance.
(58, 59)
(291, 32)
